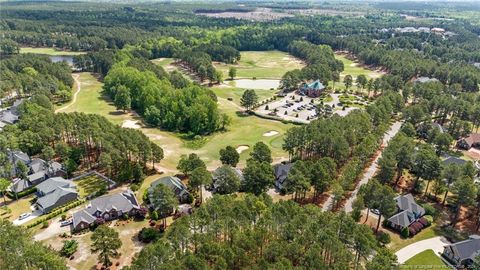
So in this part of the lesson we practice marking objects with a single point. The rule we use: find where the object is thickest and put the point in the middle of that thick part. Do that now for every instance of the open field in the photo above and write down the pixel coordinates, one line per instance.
(48, 51)
(261, 64)
(244, 130)
(354, 69)
(426, 260)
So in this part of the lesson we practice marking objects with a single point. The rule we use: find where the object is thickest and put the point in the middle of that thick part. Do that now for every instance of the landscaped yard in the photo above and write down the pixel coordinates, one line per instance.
(48, 51)
(244, 130)
(261, 64)
(425, 260)
(398, 242)
(90, 184)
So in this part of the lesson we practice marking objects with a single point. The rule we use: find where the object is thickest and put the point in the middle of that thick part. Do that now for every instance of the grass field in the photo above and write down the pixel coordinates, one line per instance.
(397, 242)
(261, 64)
(354, 69)
(90, 184)
(425, 260)
(48, 51)
(17, 207)
(244, 130)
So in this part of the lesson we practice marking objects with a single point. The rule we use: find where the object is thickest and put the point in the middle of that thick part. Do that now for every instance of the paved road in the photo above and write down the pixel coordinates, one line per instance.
(436, 244)
(369, 173)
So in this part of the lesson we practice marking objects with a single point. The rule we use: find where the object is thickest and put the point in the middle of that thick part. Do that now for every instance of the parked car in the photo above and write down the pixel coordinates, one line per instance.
(66, 222)
(24, 216)
(375, 211)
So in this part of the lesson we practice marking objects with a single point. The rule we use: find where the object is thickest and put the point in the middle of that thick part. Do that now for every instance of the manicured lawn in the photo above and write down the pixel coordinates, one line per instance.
(48, 51)
(90, 184)
(398, 242)
(261, 64)
(353, 69)
(425, 259)
(236, 93)
(244, 130)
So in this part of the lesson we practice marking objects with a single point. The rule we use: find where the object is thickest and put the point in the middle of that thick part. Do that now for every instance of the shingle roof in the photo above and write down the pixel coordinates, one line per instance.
(8, 117)
(37, 165)
(53, 183)
(172, 182)
(403, 219)
(36, 177)
(467, 249)
(52, 198)
(407, 202)
(454, 160)
(281, 171)
(20, 185)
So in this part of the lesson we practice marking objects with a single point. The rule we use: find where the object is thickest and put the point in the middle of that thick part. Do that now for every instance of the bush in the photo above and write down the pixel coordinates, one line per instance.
(44, 224)
(24, 193)
(64, 217)
(430, 210)
(69, 247)
(383, 238)
(154, 215)
(99, 221)
(134, 187)
(405, 233)
(147, 235)
(429, 219)
(266, 108)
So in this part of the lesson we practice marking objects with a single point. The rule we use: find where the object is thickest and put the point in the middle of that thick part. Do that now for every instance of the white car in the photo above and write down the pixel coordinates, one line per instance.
(24, 216)
(66, 222)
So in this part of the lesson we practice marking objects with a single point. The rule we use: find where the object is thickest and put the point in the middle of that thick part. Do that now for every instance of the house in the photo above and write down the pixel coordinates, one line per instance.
(462, 254)
(174, 184)
(107, 207)
(281, 173)
(313, 90)
(8, 117)
(409, 215)
(425, 80)
(216, 173)
(55, 192)
(473, 140)
(454, 160)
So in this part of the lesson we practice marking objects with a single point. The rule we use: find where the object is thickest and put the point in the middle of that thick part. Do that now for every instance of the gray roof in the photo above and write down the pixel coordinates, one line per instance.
(454, 160)
(37, 165)
(467, 249)
(402, 219)
(20, 185)
(425, 80)
(16, 156)
(35, 178)
(173, 183)
(54, 183)
(407, 203)
(281, 171)
(8, 117)
(124, 201)
(50, 200)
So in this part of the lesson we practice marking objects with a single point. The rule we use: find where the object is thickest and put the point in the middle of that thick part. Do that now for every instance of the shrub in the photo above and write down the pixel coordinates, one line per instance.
(134, 187)
(266, 108)
(405, 233)
(429, 219)
(147, 235)
(99, 221)
(189, 199)
(154, 215)
(64, 217)
(285, 113)
(430, 210)
(383, 238)
(44, 224)
(142, 212)
(69, 247)
(24, 193)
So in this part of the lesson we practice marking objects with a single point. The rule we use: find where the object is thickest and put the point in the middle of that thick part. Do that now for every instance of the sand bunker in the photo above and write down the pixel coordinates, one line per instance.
(242, 148)
(270, 133)
(131, 124)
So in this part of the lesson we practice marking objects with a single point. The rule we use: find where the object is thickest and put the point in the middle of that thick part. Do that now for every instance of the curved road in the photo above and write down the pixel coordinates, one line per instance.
(75, 78)
(369, 173)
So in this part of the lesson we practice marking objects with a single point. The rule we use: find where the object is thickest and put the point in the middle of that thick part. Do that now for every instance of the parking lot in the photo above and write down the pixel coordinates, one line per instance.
(297, 108)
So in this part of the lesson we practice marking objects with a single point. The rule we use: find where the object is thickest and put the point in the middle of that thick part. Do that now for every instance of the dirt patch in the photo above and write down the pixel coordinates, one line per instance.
(154, 136)
(270, 133)
(131, 124)
(242, 148)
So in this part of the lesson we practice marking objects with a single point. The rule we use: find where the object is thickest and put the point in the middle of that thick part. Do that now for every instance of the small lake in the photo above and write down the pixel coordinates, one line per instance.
(257, 84)
(60, 58)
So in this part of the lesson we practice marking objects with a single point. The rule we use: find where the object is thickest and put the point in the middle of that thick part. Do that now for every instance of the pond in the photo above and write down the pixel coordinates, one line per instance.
(60, 58)
(257, 84)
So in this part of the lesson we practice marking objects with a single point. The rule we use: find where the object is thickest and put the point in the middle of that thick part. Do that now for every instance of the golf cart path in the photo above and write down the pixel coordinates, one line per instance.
(436, 244)
(369, 173)
(77, 81)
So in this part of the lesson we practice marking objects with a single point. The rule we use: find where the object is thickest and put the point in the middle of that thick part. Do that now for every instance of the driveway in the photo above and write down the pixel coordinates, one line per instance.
(52, 230)
(33, 215)
(436, 244)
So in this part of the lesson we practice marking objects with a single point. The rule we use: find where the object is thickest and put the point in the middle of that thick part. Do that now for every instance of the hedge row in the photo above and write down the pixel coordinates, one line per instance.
(56, 212)
(21, 194)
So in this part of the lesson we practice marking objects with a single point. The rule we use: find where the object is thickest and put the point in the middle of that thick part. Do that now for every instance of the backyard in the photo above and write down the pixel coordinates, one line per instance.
(90, 184)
